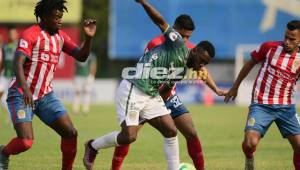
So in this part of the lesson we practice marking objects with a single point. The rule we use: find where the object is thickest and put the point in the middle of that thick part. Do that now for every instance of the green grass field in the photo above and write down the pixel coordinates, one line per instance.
(220, 129)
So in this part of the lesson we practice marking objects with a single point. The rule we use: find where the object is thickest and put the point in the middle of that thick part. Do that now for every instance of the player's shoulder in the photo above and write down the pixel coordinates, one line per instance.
(34, 29)
(157, 40)
(189, 44)
(31, 32)
(271, 44)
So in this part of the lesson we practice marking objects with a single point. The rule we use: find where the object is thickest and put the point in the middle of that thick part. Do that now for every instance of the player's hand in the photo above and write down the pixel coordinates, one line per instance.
(232, 93)
(89, 26)
(28, 98)
(221, 92)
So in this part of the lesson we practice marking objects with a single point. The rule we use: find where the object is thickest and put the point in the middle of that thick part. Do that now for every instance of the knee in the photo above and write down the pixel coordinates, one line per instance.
(172, 132)
(130, 138)
(70, 133)
(296, 148)
(191, 135)
(250, 143)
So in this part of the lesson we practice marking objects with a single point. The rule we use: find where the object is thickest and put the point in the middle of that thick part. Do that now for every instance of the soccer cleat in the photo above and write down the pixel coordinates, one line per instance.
(89, 155)
(249, 164)
(3, 160)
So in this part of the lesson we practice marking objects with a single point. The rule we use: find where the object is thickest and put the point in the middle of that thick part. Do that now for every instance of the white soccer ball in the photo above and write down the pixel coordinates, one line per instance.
(186, 166)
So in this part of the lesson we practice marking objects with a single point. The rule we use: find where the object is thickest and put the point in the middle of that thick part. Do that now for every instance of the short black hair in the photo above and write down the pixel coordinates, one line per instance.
(45, 7)
(207, 46)
(184, 21)
(293, 25)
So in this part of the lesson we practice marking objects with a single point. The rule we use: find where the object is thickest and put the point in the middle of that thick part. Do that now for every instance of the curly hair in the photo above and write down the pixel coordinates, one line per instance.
(45, 7)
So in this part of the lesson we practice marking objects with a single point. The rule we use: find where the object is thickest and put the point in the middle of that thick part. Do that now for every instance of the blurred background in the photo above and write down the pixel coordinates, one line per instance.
(236, 27)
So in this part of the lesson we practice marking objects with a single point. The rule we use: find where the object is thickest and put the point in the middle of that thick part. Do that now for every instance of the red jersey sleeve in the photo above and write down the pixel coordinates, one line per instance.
(27, 42)
(260, 53)
(69, 46)
(154, 42)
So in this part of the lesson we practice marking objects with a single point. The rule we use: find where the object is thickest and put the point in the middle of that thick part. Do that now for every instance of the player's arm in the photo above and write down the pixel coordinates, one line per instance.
(18, 64)
(212, 85)
(155, 16)
(243, 73)
(82, 53)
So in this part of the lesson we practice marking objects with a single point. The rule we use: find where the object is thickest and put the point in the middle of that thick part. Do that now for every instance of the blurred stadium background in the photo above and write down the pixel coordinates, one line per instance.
(235, 27)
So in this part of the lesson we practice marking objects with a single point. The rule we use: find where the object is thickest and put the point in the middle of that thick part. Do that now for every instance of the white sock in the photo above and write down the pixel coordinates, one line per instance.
(171, 149)
(106, 141)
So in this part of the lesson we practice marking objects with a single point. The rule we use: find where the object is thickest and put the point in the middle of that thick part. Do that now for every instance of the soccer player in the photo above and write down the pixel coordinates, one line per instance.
(30, 92)
(84, 80)
(138, 98)
(272, 94)
(184, 26)
(9, 50)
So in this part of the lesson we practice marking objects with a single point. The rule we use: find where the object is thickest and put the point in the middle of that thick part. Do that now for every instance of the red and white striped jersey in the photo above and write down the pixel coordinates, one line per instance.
(158, 41)
(277, 77)
(43, 52)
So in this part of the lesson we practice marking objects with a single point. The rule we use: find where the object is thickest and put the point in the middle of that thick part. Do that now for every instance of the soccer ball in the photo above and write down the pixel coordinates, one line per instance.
(186, 166)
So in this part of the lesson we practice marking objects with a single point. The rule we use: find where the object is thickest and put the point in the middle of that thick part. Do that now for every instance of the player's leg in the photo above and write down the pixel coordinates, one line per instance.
(165, 125)
(295, 142)
(126, 136)
(77, 94)
(289, 125)
(87, 94)
(22, 117)
(260, 118)
(51, 111)
(120, 153)
(185, 125)
(128, 105)
(4, 83)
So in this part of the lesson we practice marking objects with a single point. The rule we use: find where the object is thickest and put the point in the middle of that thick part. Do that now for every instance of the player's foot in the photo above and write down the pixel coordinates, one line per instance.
(3, 160)
(249, 164)
(89, 155)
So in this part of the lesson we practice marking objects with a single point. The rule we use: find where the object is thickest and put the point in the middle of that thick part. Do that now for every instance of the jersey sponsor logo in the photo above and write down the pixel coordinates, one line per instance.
(21, 114)
(23, 43)
(173, 36)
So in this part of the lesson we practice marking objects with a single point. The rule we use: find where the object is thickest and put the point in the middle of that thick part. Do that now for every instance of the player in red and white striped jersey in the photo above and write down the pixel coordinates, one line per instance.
(30, 92)
(272, 95)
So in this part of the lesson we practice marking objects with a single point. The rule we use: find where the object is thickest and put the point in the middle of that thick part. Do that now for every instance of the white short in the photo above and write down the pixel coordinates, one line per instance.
(133, 105)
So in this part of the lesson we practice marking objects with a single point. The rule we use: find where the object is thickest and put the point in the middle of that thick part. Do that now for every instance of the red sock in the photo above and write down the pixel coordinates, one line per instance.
(297, 161)
(195, 152)
(248, 151)
(119, 155)
(68, 148)
(17, 145)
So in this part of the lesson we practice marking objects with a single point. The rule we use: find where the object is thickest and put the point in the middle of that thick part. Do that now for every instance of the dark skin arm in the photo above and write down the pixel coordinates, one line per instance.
(243, 73)
(155, 16)
(212, 85)
(89, 27)
(18, 63)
